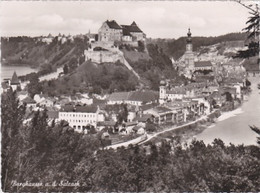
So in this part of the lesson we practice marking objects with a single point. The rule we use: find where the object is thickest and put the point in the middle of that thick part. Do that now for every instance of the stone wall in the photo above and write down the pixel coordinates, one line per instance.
(103, 56)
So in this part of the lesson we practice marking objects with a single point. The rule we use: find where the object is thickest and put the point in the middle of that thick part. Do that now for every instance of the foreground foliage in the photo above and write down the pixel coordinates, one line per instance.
(37, 152)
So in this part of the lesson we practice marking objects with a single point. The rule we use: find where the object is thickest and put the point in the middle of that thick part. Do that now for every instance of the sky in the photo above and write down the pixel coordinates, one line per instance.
(158, 19)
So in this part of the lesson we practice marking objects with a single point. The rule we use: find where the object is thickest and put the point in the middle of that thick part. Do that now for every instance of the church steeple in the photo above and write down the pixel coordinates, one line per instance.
(189, 42)
(189, 55)
(189, 36)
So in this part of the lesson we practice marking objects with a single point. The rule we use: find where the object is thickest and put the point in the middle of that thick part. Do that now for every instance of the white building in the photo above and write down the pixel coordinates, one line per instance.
(173, 94)
(80, 117)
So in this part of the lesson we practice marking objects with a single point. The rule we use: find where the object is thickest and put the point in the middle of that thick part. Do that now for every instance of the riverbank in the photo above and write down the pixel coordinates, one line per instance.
(187, 132)
(233, 126)
(183, 133)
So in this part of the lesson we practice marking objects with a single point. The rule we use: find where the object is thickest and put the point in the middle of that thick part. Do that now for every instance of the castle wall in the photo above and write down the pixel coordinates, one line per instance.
(103, 56)
(137, 36)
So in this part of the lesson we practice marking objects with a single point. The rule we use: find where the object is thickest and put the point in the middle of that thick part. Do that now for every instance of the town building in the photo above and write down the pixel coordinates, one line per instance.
(29, 102)
(47, 39)
(162, 115)
(203, 65)
(79, 117)
(136, 98)
(166, 94)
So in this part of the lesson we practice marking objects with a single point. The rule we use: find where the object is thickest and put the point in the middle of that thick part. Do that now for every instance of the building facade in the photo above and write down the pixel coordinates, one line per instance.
(79, 117)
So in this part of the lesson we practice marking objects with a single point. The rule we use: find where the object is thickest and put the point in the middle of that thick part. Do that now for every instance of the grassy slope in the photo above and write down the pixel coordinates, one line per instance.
(91, 77)
(134, 56)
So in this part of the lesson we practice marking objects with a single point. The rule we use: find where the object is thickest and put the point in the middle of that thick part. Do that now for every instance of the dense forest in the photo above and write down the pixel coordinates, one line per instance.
(53, 154)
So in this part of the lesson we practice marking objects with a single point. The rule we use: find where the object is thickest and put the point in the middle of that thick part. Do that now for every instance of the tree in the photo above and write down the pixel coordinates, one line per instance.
(11, 123)
(141, 46)
(65, 69)
(253, 31)
(257, 130)
(34, 87)
(122, 114)
(248, 83)
(150, 127)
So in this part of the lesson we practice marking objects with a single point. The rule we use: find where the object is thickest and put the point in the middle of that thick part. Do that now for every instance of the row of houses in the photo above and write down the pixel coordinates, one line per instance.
(170, 106)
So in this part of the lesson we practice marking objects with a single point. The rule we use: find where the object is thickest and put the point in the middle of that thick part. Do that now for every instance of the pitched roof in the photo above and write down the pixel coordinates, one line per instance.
(81, 109)
(67, 108)
(23, 92)
(127, 124)
(137, 127)
(113, 25)
(15, 79)
(144, 96)
(86, 109)
(148, 106)
(132, 28)
(143, 118)
(203, 64)
(161, 109)
(107, 123)
(176, 91)
(126, 32)
(53, 114)
(118, 96)
(4, 85)
(28, 100)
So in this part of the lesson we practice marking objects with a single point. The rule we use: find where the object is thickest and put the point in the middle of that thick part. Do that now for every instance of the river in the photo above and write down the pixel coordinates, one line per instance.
(7, 71)
(233, 127)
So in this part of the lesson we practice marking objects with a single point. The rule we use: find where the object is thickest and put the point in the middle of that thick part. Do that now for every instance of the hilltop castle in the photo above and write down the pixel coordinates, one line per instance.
(110, 31)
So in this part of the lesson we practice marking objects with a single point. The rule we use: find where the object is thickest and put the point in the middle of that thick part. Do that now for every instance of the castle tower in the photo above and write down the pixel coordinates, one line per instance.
(162, 92)
(189, 55)
(15, 83)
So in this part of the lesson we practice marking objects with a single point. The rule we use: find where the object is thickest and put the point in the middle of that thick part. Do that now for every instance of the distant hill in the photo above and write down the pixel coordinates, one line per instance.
(176, 48)
(31, 51)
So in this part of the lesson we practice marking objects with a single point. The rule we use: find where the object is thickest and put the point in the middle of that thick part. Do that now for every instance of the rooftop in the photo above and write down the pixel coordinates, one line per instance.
(113, 25)
(203, 64)
(143, 96)
(28, 100)
(53, 114)
(132, 28)
(86, 109)
(15, 79)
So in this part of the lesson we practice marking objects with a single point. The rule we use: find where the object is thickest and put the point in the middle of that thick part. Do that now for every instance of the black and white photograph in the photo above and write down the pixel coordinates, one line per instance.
(130, 96)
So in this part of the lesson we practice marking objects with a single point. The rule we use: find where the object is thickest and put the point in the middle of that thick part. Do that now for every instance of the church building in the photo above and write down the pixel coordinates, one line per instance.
(190, 65)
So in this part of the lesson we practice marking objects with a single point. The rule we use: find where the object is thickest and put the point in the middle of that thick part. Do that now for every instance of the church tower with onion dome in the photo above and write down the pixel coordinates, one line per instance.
(189, 55)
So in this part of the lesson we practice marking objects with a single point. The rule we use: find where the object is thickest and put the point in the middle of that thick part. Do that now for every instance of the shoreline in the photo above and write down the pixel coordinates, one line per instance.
(187, 132)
